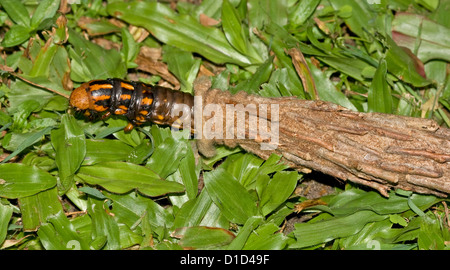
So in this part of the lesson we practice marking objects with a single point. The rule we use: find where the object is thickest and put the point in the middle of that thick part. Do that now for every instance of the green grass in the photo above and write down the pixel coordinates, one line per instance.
(66, 183)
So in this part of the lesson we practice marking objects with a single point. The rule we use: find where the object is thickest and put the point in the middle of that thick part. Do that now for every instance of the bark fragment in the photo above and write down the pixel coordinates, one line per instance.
(377, 150)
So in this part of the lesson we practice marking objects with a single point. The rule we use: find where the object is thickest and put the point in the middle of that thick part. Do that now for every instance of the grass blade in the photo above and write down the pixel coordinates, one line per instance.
(59, 234)
(231, 197)
(17, 11)
(5, 215)
(83, 69)
(201, 237)
(106, 150)
(180, 31)
(19, 180)
(167, 156)
(70, 147)
(232, 28)
(38, 208)
(103, 225)
(302, 11)
(251, 224)
(45, 10)
(310, 234)
(122, 177)
(30, 140)
(279, 188)
(380, 98)
(183, 65)
(434, 37)
(16, 35)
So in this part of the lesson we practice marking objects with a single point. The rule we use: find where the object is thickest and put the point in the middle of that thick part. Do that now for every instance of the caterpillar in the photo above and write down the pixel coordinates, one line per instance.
(138, 102)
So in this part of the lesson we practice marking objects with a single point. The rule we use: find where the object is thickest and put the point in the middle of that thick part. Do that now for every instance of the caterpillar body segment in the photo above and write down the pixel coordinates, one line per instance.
(138, 102)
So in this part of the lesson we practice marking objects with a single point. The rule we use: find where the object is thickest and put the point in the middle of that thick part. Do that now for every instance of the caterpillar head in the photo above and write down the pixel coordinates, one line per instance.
(80, 99)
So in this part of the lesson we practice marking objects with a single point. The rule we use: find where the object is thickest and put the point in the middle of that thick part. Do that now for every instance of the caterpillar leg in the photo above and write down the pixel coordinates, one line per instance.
(129, 127)
(106, 115)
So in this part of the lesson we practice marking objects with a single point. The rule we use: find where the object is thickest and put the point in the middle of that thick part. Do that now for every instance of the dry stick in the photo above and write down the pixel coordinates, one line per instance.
(381, 151)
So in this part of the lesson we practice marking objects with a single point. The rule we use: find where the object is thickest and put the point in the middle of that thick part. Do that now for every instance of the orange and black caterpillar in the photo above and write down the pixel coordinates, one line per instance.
(138, 101)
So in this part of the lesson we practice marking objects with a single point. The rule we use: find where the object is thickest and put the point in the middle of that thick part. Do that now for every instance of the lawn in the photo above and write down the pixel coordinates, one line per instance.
(70, 183)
